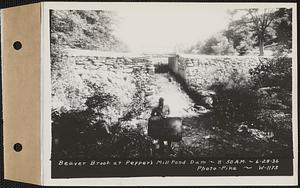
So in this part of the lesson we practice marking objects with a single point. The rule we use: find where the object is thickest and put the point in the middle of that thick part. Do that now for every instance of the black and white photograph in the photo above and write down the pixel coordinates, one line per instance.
(188, 86)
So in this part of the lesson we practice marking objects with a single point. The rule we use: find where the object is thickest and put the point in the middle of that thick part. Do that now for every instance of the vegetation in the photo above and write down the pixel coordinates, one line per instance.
(270, 28)
(83, 29)
(262, 105)
(103, 128)
(90, 116)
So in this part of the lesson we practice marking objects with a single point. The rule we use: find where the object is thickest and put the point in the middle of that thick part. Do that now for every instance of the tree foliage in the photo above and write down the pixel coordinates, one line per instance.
(84, 30)
(216, 45)
(261, 25)
(253, 28)
(283, 29)
(239, 33)
(264, 104)
(275, 73)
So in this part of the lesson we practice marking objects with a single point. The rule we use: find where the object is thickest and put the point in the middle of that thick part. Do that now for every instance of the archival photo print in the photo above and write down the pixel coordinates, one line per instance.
(196, 91)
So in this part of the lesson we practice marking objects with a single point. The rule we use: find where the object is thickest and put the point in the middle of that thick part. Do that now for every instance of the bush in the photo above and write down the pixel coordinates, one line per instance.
(67, 129)
(234, 104)
(274, 73)
(75, 136)
(84, 127)
(269, 88)
(218, 45)
(274, 83)
(83, 131)
(263, 104)
(131, 144)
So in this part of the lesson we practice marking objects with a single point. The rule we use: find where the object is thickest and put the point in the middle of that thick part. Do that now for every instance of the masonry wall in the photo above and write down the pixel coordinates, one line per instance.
(110, 63)
(76, 76)
(203, 71)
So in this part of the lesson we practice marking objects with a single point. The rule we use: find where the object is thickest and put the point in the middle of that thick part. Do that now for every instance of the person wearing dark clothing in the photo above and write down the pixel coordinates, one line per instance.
(161, 111)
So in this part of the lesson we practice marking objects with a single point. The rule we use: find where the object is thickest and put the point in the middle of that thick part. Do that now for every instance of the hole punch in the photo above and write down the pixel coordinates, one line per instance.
(17, 45)
(18, 147)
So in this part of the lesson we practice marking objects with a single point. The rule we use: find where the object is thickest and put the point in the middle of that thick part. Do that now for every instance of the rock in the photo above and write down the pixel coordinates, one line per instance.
(127, 70)
(234, 145)
(207, 137)
(243, 128)
(210, 137)
(258, 134)
(200, 108)
(79, 63)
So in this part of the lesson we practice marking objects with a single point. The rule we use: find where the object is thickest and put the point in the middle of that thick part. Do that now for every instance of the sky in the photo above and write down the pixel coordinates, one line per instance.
(165, 29)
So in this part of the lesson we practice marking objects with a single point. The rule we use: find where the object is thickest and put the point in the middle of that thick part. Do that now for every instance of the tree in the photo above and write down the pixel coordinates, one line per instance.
(195, 49)
(240, 34)
(84, 30)
(217, 45)
(260, 24)
(249, 28)
(261, 27)
(283, 28)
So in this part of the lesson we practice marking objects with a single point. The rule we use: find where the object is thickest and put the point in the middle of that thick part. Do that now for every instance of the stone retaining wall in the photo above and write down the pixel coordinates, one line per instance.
(113, 62)
(77, 75)
(203, 71)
